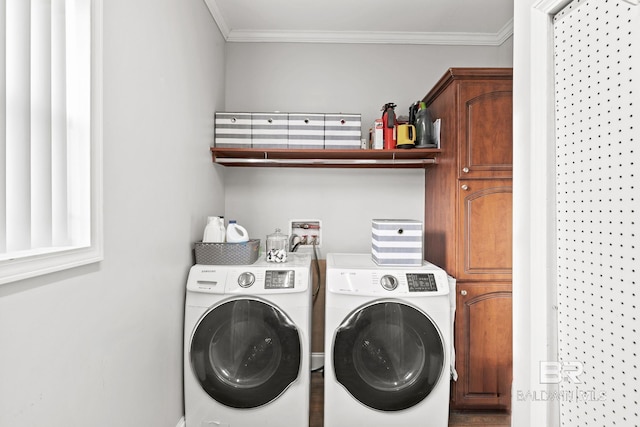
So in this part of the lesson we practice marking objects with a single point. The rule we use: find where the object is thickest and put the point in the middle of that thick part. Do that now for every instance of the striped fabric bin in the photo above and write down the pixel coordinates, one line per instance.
(306, 130)
(342, 131)
(233, 130)
(397, 242)
(269, 130)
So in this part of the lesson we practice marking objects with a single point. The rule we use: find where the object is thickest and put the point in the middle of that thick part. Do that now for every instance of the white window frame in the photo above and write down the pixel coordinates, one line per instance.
(29, 264)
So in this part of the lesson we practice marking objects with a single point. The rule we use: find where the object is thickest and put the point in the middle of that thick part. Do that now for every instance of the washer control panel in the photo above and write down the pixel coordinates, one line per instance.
(273, 279)
(246, 279)
(259, 278)
(265, 281)
(280, 279)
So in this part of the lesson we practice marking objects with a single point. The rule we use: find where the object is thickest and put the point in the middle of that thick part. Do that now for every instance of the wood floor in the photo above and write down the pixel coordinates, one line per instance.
(456, 419)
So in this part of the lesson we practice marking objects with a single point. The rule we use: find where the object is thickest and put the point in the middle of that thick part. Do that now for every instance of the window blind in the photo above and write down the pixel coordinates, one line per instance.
(45, 129)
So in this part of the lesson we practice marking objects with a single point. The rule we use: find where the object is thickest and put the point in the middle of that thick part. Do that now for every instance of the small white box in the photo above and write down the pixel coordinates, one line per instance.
(397, 242)
(233, 130)
(377, 141)
(306, 130)
(269, 130)
(342, 131)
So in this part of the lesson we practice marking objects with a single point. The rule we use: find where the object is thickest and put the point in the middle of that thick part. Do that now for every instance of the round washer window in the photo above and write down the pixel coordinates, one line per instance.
(245, 353)
(388, 355)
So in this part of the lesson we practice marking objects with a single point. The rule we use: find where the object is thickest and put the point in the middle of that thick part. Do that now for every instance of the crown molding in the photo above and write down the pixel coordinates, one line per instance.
(363, 37)
(216, 13)
(360, 37)
(505, 33)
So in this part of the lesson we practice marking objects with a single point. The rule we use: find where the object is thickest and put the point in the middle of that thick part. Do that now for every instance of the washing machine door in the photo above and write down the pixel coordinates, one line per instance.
(245, 353)
(388, 355)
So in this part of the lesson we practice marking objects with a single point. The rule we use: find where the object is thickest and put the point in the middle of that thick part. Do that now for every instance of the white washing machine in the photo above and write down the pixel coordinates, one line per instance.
(388, 344)
(247, 344)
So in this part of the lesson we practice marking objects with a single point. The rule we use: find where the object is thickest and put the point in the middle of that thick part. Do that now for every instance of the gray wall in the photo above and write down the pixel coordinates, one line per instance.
(360, 78)
(101, 345)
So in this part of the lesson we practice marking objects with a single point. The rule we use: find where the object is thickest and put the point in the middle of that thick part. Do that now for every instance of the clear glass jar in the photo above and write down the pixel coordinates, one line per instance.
(277, 246)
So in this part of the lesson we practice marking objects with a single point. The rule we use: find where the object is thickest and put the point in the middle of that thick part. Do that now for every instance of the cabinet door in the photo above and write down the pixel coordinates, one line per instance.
(484, 230)
(483, 342)
(485, 133)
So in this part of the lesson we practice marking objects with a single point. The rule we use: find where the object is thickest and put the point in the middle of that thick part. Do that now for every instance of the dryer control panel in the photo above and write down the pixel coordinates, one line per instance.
(387, 283)
(358, 274)
(422, 282)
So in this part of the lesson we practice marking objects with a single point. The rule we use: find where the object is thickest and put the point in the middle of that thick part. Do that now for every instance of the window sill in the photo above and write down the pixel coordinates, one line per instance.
(54, 259)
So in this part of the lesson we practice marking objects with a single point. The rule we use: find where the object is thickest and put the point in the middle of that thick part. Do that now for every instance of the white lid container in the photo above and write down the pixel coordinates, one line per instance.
(236, 233)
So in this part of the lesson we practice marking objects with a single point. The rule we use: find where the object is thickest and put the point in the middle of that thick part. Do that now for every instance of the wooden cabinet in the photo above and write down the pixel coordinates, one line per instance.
(485, 129)
(467, 225)
(483, 346)
(484, 224)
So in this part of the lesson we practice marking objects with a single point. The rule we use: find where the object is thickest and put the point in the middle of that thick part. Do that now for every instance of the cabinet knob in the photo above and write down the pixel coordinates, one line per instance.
(465, 187)
(463, 292)
(465, 170)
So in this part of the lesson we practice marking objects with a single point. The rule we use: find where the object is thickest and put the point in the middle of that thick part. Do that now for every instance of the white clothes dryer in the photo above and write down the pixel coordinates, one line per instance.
(388, 344)
(247, 344)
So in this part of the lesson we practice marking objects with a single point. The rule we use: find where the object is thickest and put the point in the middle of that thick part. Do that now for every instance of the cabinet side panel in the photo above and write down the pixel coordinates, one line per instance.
(440, 181)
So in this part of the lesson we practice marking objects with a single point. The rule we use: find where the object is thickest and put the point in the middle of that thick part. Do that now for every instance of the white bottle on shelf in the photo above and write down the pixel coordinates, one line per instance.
(236, 233)
(214, 232)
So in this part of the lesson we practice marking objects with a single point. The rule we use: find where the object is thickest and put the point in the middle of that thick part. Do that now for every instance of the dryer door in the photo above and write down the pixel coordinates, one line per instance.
(388, 355)
(245, 353)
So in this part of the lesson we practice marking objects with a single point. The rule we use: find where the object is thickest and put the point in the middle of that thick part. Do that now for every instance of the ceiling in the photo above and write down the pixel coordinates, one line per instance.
(449, 22)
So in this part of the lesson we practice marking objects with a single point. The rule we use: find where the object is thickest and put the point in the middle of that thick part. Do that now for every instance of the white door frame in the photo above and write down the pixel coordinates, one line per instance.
(534, 269)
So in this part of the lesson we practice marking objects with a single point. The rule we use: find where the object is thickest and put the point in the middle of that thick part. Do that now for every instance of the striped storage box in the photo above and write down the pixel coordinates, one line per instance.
(397, 242)
(269, 130)
(233, 130)
(306, 130)
(342, 131)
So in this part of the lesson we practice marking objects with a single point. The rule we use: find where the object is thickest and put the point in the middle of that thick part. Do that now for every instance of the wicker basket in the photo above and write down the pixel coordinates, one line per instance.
(227, 253)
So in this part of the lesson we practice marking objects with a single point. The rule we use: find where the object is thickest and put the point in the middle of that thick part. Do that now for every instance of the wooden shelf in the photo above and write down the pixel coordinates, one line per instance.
(416, 158)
